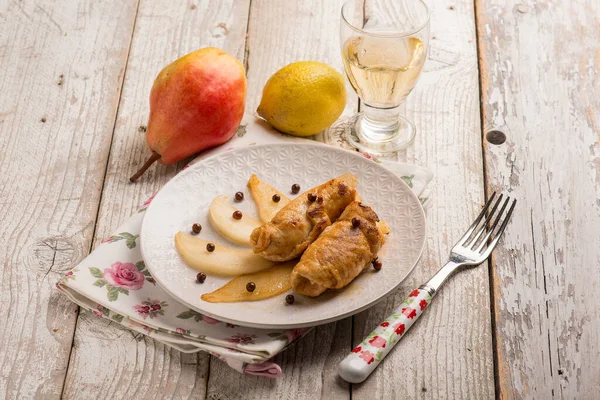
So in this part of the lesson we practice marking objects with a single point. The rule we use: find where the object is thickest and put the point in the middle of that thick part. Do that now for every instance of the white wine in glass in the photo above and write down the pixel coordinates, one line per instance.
(384, 48)
(383, 75)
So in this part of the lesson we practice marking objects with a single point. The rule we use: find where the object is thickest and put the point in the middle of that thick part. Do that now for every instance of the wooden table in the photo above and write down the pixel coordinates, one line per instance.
(74, 83)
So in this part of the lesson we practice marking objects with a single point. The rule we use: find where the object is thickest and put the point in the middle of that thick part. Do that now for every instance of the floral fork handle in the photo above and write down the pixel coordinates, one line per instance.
(365, 357)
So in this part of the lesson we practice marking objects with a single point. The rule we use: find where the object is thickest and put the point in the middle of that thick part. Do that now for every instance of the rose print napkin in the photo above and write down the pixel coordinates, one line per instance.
(113, 282)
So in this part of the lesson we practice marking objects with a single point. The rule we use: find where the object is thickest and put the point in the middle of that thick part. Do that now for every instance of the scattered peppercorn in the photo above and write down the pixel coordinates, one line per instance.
(377, 264)
(290, 299)
(250, 286)
(295, 188)
(312, 197)
(355, 222)
(237, 214)
(320, 200)
(239, 196)
(201, 277)
(196, 228)
(210, 247)
(276, 198)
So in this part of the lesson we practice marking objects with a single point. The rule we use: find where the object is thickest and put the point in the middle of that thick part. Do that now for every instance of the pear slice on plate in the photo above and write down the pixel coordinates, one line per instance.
(222, 261)
(383, 227)
(238, 231)
(269, 283)
(262, 193)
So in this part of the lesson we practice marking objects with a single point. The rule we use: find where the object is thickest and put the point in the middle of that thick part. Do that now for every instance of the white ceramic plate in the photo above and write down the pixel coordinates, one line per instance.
(185, 200)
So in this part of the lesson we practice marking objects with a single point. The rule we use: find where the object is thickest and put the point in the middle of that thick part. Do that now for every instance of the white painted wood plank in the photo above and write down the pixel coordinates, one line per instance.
(281, 33)
(540, 68)
(448, 353)
(61, 68)
(107, 361)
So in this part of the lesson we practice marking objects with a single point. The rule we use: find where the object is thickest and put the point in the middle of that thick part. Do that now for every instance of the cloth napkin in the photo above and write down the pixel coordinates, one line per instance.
(113, 283)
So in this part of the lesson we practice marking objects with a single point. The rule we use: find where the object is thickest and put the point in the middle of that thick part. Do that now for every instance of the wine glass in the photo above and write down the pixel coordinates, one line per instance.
(384, 47)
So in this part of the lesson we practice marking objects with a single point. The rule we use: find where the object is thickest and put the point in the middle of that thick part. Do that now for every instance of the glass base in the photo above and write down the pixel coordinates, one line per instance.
(368, 136)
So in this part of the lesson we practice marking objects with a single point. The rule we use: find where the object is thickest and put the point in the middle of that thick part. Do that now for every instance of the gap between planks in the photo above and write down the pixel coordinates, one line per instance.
(486, 193)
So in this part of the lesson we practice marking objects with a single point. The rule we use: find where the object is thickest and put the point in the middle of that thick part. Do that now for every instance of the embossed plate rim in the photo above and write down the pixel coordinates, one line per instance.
(202, 306)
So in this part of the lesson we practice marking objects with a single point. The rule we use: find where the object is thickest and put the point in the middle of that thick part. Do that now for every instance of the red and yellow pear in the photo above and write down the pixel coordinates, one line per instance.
(196, 102)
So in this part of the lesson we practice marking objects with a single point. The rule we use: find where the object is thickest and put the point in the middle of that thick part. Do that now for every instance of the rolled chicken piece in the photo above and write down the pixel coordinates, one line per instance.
(342, 252)
(300, 222)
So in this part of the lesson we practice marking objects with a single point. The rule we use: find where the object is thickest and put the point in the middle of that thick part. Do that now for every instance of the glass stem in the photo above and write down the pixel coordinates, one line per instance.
(379, 124)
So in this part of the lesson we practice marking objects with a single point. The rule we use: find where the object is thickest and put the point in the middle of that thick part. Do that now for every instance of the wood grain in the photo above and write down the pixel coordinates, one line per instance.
(540, 63)
(281, 33)
(448, 353)
(57, 109)
(309, 370)
(107, 360)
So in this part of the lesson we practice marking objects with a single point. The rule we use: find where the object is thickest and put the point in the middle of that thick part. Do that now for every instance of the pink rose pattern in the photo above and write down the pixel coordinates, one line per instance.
(130, 239)
(367, 356)
(209, 320)
(150, 308)
(382, 339)
(378, 342)
(183, 332)
(103, 312)
(67, 277)
(120, 278)
(370, 157)
(124, 275)
(241, 338)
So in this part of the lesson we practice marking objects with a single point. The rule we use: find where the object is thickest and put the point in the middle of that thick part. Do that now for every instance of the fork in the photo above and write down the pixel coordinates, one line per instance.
(473, 248)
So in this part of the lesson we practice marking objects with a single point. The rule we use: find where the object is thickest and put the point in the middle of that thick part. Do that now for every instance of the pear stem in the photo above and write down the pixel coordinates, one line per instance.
(155, 156)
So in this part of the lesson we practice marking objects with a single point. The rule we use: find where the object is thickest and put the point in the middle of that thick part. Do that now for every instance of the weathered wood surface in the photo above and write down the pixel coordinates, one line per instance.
(540, 68)
(448, 353)
(109, 361)
(62, 111)
(60, 77)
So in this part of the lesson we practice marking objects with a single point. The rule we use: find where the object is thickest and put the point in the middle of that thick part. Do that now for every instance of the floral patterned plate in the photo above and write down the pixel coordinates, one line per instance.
(185, 200)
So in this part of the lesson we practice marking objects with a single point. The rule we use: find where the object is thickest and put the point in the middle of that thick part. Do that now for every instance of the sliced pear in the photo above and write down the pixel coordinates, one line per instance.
(222, 261)
(238, 231)
(383, 227)
(269, 283)
(262, 193)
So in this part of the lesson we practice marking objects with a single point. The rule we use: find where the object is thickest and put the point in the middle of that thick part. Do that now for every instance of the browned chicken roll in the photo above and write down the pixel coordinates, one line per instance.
(341, 252)
(301, 221)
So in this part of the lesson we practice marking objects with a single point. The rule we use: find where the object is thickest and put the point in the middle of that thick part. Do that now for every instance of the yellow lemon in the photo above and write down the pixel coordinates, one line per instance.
(303, 98)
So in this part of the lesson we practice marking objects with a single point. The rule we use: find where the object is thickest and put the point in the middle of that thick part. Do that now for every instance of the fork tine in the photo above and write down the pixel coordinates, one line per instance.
(486, 237)
(469, 232)
(500, 231)
(481, 230)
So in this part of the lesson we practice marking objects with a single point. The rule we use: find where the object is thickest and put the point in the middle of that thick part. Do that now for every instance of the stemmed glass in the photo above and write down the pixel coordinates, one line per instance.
(384, 47)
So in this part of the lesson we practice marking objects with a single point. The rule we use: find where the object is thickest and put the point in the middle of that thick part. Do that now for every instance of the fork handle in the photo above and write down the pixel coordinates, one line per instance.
(365, 357)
